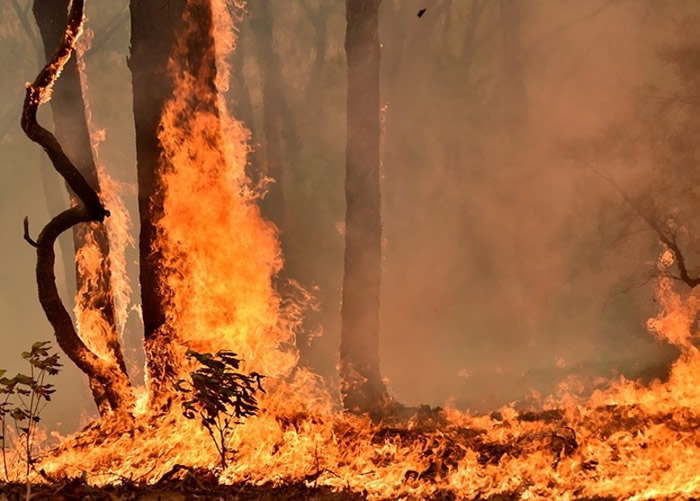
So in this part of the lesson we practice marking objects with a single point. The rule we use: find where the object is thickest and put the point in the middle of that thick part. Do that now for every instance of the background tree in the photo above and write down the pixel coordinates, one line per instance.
(362, 386)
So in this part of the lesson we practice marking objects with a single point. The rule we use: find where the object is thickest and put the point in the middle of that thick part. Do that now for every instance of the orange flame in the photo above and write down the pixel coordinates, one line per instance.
(95, 330)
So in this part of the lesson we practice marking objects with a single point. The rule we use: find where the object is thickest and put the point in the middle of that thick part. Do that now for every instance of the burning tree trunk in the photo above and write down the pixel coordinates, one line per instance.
(362, 386)
(72, 132)
(154, 26)
(106, 378)
(160, 41)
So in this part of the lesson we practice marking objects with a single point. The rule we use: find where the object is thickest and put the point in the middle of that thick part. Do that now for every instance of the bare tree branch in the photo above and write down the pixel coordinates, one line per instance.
(28, 238)
(666, 235)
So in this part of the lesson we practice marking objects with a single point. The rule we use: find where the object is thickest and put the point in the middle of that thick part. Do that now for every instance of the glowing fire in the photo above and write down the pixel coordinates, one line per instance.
(99, 333)
(626, 441)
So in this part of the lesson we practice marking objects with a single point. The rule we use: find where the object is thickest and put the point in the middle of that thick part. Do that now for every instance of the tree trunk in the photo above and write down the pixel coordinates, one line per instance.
(158, 33)
(154, 26)
(55, 202)
(361, 383)
(72, 132)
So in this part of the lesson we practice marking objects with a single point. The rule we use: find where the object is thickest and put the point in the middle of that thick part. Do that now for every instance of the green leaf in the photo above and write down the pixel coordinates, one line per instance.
(40, 345)
(24, 379)
(18, 414)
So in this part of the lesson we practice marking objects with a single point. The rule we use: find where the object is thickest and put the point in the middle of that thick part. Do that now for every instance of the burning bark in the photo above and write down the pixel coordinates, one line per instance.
(362, 386)
(94, 286)
(104, 378)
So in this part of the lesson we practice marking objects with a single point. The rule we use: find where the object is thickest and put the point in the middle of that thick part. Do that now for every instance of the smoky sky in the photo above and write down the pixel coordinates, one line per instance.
(506, 264)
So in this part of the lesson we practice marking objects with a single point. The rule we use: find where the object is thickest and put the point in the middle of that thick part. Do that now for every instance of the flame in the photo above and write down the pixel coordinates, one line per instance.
(629, 440)
(99, 331)
(221, 254)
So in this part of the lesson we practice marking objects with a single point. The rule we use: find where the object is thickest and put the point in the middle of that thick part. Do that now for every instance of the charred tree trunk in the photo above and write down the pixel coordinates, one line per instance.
(106, 379)
(161, 30)
(72, 132)
(362, 387)
(154, 28)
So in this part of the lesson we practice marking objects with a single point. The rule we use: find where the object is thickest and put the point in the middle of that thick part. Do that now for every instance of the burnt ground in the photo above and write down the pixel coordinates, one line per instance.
(79, 491)
(193, 490)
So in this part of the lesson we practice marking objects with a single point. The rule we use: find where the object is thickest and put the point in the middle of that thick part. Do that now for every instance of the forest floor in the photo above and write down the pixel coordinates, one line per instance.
(184, 491)
(186, 483)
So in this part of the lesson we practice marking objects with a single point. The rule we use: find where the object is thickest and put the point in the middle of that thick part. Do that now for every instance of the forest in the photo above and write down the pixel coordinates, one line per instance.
(349, 249)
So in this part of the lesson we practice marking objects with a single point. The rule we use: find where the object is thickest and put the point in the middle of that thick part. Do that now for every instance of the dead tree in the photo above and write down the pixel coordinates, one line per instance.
(361, 383)
(89, 208)
(72, 132)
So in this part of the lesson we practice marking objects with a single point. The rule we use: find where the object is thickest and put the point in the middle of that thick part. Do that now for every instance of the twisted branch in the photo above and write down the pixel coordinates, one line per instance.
(113, 381)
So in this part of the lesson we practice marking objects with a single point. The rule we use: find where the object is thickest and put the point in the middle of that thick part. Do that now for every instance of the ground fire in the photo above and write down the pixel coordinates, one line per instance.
(226, 405)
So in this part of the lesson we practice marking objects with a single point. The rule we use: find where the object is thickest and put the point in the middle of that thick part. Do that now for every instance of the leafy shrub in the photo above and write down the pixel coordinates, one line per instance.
(24, 397)
(220, 395)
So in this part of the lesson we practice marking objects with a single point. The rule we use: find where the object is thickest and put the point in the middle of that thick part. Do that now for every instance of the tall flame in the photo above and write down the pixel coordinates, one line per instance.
(221, 254)
(94, 328)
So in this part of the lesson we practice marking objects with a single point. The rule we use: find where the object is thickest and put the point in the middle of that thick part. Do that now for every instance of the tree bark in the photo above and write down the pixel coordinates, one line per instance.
(73, 134)
(110, 380)
(361, 383)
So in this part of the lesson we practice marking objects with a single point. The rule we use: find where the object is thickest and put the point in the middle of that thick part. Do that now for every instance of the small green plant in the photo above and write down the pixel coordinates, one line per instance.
(23, 398)
(220, 395)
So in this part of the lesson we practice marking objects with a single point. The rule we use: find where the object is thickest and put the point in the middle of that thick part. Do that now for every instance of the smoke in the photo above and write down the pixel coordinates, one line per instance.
(509, 264)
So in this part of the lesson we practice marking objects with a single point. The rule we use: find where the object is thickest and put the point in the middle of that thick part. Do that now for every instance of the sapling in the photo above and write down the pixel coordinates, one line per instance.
(24, 397)
(220, 395)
